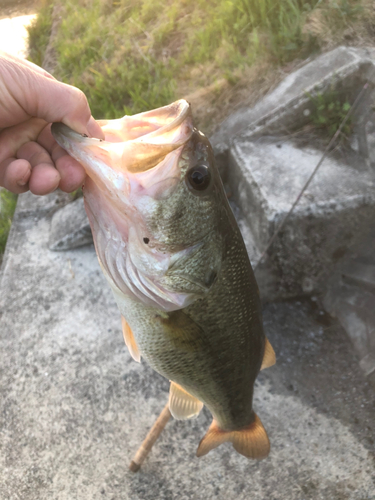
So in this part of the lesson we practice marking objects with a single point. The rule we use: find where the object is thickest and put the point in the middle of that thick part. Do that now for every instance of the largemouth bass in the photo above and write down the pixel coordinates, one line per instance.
(171, 250)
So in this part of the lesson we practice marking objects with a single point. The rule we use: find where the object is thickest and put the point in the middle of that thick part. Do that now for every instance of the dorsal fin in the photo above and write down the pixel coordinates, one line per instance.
(251, 441)
(130, 340)
(269, 358)
(183, 405)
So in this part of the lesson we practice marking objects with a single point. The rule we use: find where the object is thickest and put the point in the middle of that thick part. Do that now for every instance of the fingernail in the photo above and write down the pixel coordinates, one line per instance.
(94, 129)
(22, 182)
(26, 176)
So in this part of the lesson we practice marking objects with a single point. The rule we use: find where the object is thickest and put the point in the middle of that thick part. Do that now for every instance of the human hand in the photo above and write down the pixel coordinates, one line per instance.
(30, 100)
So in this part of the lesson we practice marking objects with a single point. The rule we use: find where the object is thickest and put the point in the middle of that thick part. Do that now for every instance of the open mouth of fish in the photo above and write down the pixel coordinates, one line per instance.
(132, 145)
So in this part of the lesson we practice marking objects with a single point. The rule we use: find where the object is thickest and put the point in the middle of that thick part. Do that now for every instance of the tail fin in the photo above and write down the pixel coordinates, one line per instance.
(251, 441)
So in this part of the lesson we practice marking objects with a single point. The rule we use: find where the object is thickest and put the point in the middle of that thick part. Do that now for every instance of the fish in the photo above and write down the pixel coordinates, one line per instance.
(171, 250)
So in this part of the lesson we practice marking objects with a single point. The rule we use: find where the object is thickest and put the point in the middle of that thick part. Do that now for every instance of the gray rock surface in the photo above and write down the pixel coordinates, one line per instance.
(75, 406)
(70, 227)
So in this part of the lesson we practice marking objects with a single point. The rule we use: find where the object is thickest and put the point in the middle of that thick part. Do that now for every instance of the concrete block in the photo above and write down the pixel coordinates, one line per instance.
(269, 160)
(266, 176)
(70, 227)
(327, 246)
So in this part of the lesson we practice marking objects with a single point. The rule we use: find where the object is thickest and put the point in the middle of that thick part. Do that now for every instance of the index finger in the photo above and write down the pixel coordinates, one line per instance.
(47, 98)
(27, 64)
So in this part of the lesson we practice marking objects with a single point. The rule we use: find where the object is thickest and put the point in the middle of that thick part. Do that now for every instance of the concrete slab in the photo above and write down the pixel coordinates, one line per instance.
(268, 153)
(269, 158)
(266, 176)
(75, 406)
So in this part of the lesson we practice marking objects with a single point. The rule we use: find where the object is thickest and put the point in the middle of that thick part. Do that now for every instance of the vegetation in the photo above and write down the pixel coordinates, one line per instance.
(7, 207)
(39, 34)
(78, 193)
(329, 110)
(132, 55)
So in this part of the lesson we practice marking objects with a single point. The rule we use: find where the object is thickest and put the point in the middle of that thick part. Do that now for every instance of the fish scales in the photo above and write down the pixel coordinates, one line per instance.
(218, 360)
(172, 252)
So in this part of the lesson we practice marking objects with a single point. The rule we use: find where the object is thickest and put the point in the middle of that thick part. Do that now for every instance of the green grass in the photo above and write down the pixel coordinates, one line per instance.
(7, 207)
(39, 33)
(133, 55)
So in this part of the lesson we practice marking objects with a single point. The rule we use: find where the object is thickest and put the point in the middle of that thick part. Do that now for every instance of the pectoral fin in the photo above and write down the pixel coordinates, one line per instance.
(269, 358)
(183, 405)
(251, 441)
(130, 340)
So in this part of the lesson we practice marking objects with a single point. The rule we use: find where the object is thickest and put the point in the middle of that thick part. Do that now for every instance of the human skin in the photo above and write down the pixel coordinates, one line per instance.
(30, 100)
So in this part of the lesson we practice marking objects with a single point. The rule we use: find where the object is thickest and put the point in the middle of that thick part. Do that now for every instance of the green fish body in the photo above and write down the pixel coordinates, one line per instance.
(172, 252)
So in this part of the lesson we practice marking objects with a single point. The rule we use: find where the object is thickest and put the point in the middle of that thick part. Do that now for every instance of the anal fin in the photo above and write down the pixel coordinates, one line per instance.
(269, 358)
(183, 405)
(130, 340)
(251, 441)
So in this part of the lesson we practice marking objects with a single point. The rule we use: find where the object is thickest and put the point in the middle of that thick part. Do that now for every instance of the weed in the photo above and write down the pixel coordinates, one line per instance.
(346, 10)
(329, 110)
(78, 193)
(7, 207)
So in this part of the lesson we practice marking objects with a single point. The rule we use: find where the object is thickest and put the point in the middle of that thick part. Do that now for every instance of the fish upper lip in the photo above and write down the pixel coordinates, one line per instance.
(133, 143)
(174, 123)
(181, 108)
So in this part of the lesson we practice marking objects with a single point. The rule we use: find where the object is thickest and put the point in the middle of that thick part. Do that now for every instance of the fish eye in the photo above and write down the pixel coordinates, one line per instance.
(199, 177)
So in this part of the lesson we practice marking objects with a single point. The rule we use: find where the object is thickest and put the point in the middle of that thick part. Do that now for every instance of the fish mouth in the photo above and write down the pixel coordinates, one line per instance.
(132, 144)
